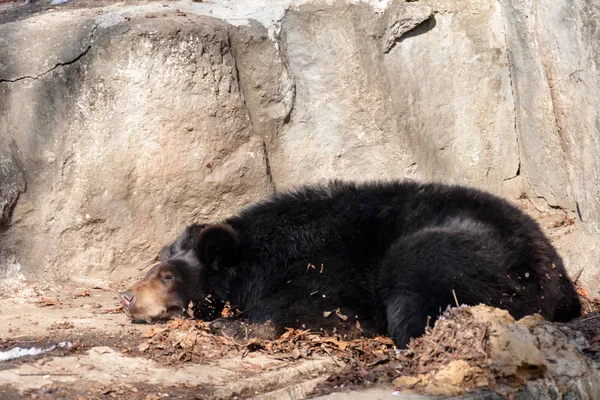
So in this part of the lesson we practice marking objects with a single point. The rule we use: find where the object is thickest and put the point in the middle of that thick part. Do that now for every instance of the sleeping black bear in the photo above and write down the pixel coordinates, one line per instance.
(389, 256)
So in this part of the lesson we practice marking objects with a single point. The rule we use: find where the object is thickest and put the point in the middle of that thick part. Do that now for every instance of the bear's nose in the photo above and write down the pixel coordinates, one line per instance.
(127, 299)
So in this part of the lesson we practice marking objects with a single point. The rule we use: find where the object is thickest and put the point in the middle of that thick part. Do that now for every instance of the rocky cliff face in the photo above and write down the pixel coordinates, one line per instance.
(120, 125)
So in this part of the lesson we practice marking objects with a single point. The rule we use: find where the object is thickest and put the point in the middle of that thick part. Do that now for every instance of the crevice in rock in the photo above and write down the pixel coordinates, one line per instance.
(291, 90)
(553, 101)
(288, 94)
(267, 163)
(578, 211)
(13, 182)
(419, 29)
(50, 70)
(558, 118)
(247, 109)
(10, 208)
(236, 71)
(514, 97)
(61, 64)
(559, 81)
(516, 174)
(552, 77)
(552, 206)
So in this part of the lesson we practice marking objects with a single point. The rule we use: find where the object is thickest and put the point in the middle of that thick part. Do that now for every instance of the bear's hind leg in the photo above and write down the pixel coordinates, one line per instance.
(420, 272)
(407, 317)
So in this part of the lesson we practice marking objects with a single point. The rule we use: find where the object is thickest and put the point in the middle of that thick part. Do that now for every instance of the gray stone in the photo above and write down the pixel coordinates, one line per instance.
(553, 58)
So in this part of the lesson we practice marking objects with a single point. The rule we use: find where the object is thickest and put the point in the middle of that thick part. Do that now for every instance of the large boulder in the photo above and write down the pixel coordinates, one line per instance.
(129, 137)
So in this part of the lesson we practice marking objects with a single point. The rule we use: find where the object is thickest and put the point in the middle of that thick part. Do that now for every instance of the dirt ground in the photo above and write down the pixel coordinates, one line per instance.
(104, 359)
(100, 354)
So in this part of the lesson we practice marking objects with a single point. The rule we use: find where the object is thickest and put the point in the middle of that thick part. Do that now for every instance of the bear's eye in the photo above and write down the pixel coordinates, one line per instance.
(167, 277)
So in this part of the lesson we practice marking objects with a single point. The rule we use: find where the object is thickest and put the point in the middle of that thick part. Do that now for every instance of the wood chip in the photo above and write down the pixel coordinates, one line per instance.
(340, 315)
(45, 302)
(83, 293)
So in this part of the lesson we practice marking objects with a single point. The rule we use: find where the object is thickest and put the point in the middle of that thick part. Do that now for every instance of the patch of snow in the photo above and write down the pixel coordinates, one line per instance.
(268, 13)
(19, 352)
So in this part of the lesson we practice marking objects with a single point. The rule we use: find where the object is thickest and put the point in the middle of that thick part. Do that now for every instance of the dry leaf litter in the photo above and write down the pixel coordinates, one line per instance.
(469, 348)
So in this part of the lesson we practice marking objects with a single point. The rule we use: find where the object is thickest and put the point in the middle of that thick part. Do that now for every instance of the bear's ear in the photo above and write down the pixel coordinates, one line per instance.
(217, 246)
(165, 253)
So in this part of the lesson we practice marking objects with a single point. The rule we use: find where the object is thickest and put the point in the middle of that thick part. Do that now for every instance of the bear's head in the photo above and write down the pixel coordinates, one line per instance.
(201, 265)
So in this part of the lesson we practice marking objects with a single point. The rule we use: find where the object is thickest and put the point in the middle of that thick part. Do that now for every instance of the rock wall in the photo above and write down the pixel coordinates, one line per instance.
(136, 132)
(119, 125)
(554, 53)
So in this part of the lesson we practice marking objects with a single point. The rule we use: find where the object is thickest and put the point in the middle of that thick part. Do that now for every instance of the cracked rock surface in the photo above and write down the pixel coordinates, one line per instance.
(122, 123)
